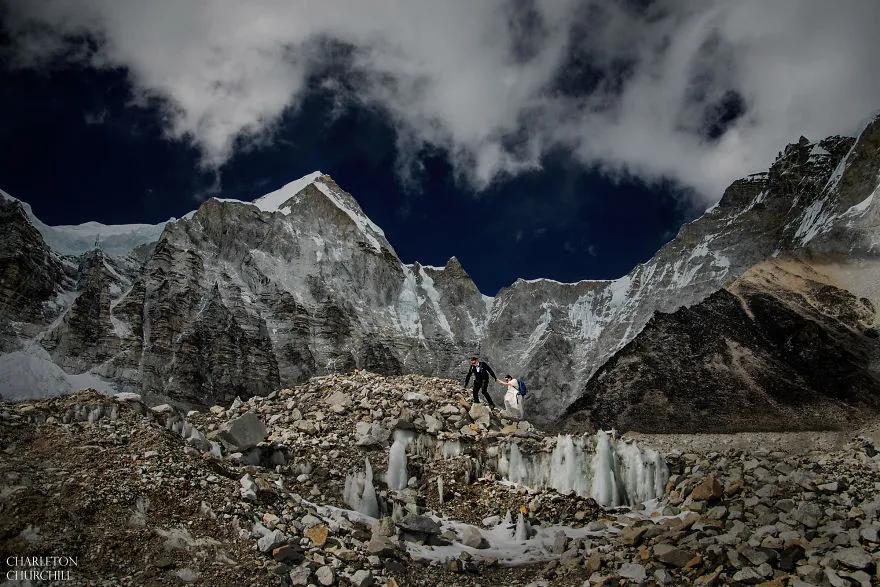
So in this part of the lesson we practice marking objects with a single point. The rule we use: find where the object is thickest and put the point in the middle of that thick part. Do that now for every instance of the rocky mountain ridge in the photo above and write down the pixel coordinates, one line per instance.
(780, 344)
(242, 298)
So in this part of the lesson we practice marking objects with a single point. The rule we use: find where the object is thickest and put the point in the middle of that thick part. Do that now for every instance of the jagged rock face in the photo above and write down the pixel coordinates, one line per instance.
(86, 336)
(781, 348)
(239, 298)
(30, 273)
(812, 199)
(236, 300)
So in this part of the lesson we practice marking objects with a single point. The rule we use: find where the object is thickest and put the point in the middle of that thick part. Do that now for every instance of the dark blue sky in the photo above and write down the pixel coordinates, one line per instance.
(75, 147)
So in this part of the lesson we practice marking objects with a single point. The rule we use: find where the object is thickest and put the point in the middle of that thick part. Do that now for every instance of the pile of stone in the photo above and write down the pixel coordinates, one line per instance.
(767, 518)
(253, 493)
(205, 493)
(319, 432)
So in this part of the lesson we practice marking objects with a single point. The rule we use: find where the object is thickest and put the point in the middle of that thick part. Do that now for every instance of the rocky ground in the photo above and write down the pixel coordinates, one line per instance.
(252, 494)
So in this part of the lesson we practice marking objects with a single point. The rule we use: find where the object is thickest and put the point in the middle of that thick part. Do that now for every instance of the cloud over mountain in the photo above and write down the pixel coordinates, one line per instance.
(694, 91)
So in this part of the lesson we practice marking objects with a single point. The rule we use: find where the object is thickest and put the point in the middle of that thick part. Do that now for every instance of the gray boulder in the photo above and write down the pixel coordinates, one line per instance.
(471, 537)
(415, 524)
(854, 558)
(243, 432)
(271, 541)
(381, 546)
(633, 571)
(362, 578)
(481, 414)
(371, 434)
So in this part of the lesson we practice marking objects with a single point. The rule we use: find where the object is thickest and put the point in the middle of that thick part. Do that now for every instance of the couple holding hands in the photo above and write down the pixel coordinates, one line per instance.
(481, 371)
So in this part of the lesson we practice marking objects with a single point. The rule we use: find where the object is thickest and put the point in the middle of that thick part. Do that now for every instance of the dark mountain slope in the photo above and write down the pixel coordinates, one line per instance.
(781, 348)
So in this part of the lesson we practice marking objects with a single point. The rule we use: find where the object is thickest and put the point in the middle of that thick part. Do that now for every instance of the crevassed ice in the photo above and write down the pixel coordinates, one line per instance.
(614, 472)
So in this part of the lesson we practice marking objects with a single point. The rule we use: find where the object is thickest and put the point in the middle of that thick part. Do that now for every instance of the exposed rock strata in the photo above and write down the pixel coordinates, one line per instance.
(781, 348)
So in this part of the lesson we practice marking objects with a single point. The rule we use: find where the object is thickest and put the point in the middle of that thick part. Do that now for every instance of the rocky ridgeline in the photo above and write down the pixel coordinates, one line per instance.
(264, 492)
(238, 299)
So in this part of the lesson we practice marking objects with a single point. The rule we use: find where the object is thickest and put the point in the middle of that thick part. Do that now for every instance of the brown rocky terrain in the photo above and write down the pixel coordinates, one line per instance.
(784, 347)
(252, 494)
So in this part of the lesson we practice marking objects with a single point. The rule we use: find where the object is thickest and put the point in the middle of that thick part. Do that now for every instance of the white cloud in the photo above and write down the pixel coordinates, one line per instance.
(495, 83)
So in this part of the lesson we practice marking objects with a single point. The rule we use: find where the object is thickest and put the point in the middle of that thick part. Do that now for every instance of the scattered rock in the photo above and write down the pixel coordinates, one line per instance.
(381, 546)
(362, 578)
(188, 575)
(288, 554)
(471, 536)
(371, 434)
(415, 524)
(854, 558)
(271, 541)
(325, 575)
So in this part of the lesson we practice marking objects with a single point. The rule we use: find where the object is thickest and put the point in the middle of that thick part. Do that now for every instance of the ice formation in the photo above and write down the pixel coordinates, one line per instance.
(567, 466)
(397, 476)
(523, 529)
(610, 470)
(397, 512)
(359, 492)
(617, 472)
(425, 445)
(606, 473)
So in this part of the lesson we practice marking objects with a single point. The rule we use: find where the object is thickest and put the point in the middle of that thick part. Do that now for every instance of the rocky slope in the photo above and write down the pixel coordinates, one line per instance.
(241, 298)
(272, 491)
(781, 348)
(32, 274)
(237, 297)
(815, 199)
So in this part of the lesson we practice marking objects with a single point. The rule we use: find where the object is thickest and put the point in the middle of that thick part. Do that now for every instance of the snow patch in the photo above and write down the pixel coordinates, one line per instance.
(814, 222)
(120, 328)
(837, 174)
(818, 151)
(119, 239)
(76, 239)
(681, 278)
(273, 201)
(434, 296)
(31, 374)
(407, 307)
(582, 314)
(862, 207)
(619, 289)
(538, 333)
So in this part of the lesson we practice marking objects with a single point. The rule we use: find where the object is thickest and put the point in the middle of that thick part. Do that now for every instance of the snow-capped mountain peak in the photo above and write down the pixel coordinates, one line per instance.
(278, 201)
(285, 199)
